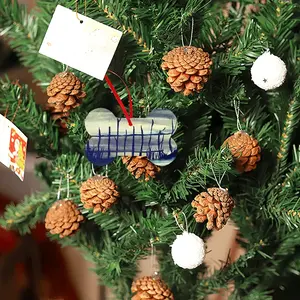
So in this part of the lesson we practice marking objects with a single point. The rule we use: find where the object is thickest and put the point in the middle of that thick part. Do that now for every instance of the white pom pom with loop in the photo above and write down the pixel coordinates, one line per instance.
(268, 71)
(188, 250)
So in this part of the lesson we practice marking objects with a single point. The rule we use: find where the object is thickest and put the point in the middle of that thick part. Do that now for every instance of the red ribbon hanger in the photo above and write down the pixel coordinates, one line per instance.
(128, 115)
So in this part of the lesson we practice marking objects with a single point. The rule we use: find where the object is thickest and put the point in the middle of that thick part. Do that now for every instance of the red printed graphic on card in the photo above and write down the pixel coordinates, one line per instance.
(17, 153)
(13, 147)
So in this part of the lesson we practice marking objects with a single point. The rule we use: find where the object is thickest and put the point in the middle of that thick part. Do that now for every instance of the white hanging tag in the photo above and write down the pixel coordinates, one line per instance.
(81, 43)
(13, 147)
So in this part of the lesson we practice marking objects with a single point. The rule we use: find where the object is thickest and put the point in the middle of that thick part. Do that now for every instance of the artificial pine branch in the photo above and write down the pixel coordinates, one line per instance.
(123, 24)
(234, 271)
(283, 205)
(24, 215)
(291, 122)
(277, 21)
(244, 50)
(176, 277)
(24, 33)
(201, 168)
(21, 108)
(104, 267)
(116, 240)
(79, 169)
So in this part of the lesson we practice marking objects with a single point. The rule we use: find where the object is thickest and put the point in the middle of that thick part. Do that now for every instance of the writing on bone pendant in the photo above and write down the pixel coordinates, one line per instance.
(112, 137)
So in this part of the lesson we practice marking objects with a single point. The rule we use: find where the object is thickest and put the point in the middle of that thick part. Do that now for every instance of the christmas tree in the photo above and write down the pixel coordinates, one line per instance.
(238, 152)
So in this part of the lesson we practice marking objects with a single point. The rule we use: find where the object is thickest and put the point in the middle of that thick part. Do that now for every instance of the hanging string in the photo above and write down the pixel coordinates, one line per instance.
(237, 110)
(14, 116)
(181, 32)
(175, 214)
(85, 5)
(81, 172)
(6, 111)
(95, 174)
(66, 68)
(222, 177)
(213, 171)
(127, 115)
(152, 257)
(218, 182)
(279, 128)
(15, 113)
(68, 186)
(59, 188)
(128, 92)
(192, 32)
(93, 170)
(148, 109)
(81, 21)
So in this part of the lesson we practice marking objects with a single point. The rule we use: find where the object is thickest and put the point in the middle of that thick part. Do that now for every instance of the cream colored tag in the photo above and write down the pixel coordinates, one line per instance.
(87, 46)
(13, 147)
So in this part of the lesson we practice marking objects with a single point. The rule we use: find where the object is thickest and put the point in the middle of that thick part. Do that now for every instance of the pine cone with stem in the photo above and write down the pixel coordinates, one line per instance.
(151, 288)
(245, 151)
(63, 218)
(140, 166)
(65, 93)
(99, 193)
(214, 206)
(188, 69)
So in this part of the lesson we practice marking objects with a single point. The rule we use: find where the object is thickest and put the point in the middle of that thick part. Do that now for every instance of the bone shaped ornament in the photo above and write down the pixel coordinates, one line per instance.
(112, 137)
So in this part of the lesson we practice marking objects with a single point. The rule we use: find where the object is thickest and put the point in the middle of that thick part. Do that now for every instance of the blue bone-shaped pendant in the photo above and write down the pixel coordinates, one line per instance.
(112, 137)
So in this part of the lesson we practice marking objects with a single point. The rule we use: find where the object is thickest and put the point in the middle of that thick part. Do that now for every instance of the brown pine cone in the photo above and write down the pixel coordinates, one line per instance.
(245, 150)
(99, 193)
(215, 206)
(188, 69)
(65, 93)
(140, 165)
(63, 218)
(150, 288)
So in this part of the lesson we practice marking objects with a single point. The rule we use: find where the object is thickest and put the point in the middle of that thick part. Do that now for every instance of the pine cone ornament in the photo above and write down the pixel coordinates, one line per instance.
(140, 165)
(65, 93)
(215, 206)
(150, 288)
(188, 69)
(63, 218)
(245, 150)
(99, 193)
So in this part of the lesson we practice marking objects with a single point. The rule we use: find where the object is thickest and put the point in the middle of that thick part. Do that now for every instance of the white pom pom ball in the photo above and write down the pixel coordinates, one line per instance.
(188, 250)
(268, 71)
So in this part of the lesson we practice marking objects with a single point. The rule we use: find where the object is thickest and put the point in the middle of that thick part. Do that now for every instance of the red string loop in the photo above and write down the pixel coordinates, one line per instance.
(127, 115)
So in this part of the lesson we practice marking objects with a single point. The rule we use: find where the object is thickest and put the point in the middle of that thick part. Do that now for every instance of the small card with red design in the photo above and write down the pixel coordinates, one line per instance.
(13, 147)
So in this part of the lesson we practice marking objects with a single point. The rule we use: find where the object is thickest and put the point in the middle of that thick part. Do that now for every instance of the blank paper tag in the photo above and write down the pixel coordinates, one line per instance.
(13, 147)
(88, 46)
